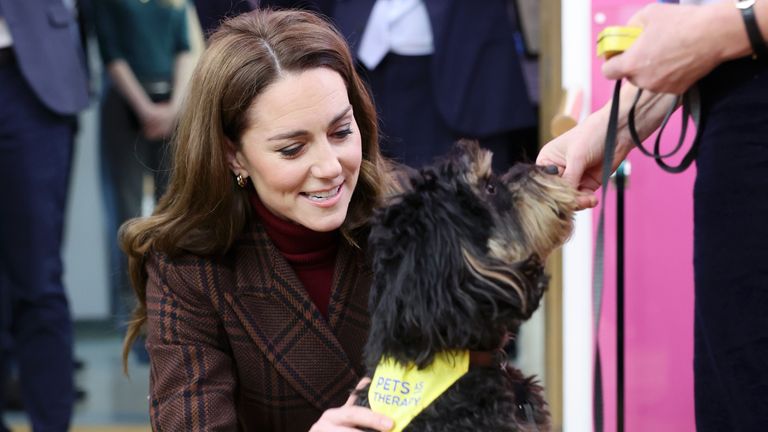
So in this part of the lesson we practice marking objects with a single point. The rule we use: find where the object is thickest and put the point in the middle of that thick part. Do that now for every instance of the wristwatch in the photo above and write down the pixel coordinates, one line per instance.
(759, 47)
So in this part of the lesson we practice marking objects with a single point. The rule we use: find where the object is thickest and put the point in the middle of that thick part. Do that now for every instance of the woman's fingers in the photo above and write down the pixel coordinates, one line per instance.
(348, 418)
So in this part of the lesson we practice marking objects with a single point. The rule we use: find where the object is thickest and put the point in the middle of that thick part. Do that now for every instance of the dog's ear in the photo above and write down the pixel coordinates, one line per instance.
(513, 292)
(467, 158)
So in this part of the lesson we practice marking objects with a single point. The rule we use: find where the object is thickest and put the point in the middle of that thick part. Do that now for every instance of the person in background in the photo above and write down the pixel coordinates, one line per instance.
(723, 49)
(212, 12)
(251, 274)
(441, 70)
(43, 85)
(144, 46)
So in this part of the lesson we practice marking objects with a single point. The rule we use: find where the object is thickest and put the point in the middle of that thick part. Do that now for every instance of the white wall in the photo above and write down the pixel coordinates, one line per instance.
(85, 252)
(577, 55)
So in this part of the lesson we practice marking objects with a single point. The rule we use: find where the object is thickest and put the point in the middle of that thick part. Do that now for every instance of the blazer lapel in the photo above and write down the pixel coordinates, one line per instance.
(348, 312)
(279, 316)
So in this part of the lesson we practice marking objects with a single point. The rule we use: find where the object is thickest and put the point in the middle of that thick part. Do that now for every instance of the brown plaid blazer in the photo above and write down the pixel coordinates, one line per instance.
(236, 344)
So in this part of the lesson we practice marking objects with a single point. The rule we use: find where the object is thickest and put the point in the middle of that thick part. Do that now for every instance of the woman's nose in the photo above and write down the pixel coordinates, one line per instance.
(326, 161)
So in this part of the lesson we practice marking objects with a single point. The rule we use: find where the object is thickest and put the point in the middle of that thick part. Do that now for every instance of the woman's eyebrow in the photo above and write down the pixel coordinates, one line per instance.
(302, 132)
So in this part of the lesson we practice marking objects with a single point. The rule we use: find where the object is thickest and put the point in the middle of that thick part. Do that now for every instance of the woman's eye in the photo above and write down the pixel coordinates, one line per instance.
(290, 150)
(342, 133)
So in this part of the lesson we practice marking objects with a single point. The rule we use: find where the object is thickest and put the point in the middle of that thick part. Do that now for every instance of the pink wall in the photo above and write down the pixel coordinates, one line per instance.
(658, 279)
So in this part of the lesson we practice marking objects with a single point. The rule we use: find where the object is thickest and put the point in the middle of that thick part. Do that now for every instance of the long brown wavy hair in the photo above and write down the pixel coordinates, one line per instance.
(203, 210)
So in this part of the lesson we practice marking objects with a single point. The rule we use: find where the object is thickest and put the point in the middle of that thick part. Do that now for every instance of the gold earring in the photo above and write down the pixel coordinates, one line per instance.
(241, 181)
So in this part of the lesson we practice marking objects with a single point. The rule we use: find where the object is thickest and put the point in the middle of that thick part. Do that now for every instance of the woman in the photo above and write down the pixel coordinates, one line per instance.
(250, 275)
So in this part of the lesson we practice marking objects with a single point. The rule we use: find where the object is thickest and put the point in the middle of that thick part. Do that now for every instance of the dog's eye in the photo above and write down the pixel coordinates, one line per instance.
(490, 188)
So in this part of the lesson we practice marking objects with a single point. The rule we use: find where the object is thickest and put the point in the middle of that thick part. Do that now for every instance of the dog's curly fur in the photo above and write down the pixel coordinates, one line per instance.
(458, 264)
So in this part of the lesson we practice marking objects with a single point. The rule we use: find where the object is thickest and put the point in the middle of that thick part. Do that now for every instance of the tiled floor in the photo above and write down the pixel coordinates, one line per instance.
(113, 402)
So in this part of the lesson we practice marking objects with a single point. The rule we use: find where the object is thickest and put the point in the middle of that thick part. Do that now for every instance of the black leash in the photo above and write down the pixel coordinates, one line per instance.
(691, 103)
(598, 262)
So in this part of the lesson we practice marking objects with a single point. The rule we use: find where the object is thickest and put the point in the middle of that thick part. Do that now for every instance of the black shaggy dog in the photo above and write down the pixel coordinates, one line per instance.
(458, 265)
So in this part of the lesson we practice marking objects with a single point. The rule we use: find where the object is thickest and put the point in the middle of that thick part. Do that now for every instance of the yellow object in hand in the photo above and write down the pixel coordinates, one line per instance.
(615, 40)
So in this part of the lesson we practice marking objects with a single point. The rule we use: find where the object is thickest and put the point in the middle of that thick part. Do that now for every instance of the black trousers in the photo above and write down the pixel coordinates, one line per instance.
(731, 251)
(35, 324)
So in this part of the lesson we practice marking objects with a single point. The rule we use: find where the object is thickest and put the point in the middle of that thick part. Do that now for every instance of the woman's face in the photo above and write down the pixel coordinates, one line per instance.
(302, 149)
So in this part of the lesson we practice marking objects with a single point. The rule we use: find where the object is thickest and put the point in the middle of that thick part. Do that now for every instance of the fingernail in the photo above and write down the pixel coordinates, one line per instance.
(387, 423)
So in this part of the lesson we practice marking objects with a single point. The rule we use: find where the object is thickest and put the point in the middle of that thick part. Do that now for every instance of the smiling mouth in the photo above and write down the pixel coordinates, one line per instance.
(323, 196)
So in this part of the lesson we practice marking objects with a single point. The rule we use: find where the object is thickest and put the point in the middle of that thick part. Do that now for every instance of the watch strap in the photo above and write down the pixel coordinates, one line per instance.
(759, 46)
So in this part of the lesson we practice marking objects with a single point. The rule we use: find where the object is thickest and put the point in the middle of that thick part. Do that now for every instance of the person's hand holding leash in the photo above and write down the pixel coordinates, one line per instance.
(679, 45)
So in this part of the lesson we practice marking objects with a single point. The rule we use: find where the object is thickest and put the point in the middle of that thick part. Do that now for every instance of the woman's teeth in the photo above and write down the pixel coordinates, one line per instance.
(320, 196)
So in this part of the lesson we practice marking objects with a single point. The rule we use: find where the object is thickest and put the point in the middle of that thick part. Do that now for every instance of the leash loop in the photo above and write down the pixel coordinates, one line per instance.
(691, 102)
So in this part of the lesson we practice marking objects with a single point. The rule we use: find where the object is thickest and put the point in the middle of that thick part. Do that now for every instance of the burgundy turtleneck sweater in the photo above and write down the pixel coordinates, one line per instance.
(311, 254)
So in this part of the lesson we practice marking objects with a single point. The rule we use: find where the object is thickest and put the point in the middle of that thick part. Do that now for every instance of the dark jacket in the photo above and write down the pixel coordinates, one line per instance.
(237, 344)
(477, 77)
(47, 47)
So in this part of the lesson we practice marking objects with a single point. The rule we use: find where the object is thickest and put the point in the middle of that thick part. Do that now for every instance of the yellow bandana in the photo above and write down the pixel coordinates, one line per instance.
(401, 393)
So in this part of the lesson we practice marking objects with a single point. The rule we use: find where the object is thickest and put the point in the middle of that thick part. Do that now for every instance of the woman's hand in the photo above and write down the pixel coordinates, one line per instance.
(578, 155)
(349, 418)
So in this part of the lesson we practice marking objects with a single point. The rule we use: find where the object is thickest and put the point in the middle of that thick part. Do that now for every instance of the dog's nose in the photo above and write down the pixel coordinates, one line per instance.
(551, 169)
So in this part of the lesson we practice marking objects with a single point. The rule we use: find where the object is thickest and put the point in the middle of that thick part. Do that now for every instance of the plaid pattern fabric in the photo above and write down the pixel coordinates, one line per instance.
(237, 344)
